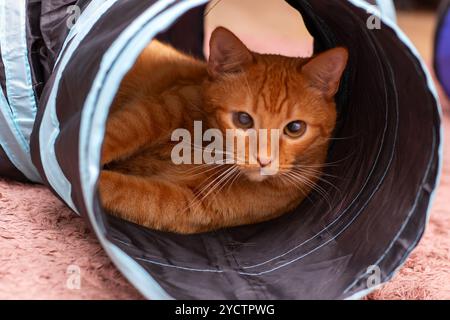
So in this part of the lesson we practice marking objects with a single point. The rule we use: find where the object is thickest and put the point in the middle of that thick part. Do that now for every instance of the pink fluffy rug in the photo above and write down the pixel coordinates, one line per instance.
(40, 239)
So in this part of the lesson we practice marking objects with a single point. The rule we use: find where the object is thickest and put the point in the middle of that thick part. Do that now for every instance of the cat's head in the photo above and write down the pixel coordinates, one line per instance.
(292, 98)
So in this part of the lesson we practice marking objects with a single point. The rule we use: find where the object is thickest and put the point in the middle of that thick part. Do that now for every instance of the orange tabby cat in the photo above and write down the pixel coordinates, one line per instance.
(236, 89)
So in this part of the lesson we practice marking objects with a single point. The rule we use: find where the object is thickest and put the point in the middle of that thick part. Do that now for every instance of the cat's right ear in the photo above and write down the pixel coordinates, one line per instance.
(227, 53)
(325, 70)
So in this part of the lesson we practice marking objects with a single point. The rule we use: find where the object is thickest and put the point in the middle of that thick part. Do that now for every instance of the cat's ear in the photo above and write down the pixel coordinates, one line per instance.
(227, 53)
(325, 70)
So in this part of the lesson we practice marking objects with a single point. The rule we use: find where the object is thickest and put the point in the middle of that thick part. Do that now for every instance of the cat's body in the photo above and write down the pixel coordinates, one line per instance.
(167, 90)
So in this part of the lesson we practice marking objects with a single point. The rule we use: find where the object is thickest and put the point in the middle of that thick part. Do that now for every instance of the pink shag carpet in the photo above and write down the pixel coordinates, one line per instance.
(40, 239)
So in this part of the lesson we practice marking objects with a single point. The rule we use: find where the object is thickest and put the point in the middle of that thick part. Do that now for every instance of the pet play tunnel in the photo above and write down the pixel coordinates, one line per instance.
(442, 47)
(59, 82)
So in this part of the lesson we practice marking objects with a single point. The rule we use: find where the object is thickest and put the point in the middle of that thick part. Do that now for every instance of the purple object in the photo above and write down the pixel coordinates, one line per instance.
(442, 48)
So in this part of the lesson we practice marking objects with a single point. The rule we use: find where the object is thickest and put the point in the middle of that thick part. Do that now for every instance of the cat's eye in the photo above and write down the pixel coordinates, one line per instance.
(243, 120)
(295, 129)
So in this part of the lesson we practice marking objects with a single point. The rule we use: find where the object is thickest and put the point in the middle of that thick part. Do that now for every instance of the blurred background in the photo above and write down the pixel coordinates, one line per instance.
(418, 19)
(279, 29)
(416, 4)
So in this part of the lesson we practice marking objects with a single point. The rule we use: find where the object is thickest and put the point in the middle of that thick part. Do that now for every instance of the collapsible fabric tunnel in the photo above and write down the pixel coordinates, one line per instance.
(442, 47)
(386, 152)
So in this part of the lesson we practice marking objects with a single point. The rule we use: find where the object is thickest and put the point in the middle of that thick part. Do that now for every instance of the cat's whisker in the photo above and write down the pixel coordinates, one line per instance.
(311, 184)
(216, 182)
(341, 160)
(315, 166)
(213, 185)
(227, 155)
(342, 138)
(196, 167)
(227, 178)
(309, 180)
(292, 182)
(236, 177)
(203, 188)
(322, 192)
(315, 174)
(325, 164)
(315, 171)
(312, 169)
(210, 179)
(329, 183)
(318, 176)
(203, 171)
(203, 149)
(200, 167)
(220, 152)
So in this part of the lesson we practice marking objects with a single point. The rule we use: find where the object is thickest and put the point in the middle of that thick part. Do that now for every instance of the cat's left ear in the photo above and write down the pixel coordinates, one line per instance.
(227, 53)
(325, 70)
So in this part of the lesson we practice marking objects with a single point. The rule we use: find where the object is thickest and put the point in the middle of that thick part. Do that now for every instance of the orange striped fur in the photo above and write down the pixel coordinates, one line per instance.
(166, 90)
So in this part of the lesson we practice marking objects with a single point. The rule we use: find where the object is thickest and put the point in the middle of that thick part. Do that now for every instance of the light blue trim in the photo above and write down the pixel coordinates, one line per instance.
(167, 265)
(21, 110)
(137, 275)
(361, 294)
(387, 9)
(8, 138)
(19, 85)
(115, 64)
(49, 129)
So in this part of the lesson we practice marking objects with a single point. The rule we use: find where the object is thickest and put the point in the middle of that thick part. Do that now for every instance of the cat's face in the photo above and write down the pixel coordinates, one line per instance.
(284, 104)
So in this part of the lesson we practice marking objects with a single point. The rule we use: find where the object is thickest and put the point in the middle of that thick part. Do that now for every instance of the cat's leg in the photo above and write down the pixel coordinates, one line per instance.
(152, 202)
(134, 126)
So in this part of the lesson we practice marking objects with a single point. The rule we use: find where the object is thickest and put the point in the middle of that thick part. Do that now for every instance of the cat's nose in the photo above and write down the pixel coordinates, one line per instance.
(264, 161)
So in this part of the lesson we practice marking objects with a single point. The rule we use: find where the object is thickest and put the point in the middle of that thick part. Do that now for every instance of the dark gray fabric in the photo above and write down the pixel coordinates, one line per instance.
(191, 42)
(46, 31)
(8, 170)
(47, 28)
